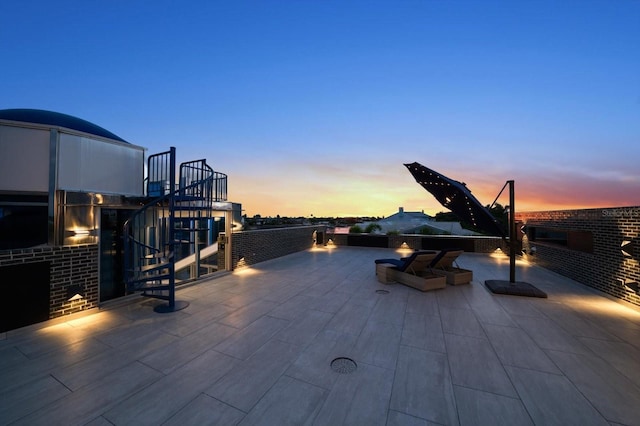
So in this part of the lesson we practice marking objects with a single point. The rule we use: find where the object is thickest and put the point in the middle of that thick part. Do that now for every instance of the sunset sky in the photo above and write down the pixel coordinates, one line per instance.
(312, 107)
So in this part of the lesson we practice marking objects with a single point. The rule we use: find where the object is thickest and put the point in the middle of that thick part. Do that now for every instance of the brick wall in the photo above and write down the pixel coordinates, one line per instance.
(69, 265)
(251, 247)
(605, 266)
(337, 239)
(476, 244)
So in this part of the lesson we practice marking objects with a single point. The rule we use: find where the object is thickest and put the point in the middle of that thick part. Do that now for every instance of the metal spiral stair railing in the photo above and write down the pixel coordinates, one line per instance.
(160, 233)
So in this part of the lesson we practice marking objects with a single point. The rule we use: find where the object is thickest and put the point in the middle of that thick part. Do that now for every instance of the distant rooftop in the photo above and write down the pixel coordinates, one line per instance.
(413, 222)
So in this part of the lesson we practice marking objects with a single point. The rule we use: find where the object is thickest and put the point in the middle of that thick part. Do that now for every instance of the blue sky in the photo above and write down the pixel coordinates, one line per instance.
(312, 107)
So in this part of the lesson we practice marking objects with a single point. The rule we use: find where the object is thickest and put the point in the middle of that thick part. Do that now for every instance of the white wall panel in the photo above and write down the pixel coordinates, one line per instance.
(24, 159)
(90, 165)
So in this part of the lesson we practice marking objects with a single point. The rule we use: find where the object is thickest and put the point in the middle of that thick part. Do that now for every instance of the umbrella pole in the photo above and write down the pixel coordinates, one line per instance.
(512, 232)
(513, 287)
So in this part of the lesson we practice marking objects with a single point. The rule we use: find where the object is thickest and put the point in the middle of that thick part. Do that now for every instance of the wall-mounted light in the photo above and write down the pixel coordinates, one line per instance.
(626, 247)
(81, 232)
(404, 245)
(75, 292)
(631, 285)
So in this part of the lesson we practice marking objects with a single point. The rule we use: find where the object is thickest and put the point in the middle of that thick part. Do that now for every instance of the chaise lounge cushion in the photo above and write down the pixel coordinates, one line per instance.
(445, 264)
(405, 262)
(414, 271)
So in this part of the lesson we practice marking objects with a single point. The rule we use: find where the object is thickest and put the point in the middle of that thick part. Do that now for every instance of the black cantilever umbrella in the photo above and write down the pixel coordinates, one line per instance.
(456, 197)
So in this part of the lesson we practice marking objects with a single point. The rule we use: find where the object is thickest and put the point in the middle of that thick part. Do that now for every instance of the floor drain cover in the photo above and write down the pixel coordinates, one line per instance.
(343, 365)
(382, 291)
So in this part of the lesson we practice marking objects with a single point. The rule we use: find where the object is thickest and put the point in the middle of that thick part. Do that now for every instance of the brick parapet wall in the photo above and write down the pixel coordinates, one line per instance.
(479, 244)
(251, 247)
(337, 239)
(490, 244)
(606, 268)
(69, 265)
(412, 241)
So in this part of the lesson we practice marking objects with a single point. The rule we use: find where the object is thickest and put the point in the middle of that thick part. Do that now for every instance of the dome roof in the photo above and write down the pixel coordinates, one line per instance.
(57, 119)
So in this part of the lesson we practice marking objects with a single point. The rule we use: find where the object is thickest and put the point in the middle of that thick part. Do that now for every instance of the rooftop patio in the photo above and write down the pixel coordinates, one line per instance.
(256, 346)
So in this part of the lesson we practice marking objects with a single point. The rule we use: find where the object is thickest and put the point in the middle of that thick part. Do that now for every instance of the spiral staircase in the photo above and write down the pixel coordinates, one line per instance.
(173, 229)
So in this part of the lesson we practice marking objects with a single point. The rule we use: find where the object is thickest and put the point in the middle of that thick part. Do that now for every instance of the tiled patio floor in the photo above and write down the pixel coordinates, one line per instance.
(255, 347)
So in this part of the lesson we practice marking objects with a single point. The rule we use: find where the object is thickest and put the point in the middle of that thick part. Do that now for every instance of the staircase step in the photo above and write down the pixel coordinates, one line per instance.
(159, 254)
(148, 279)
(154, 267)
(155, 296)
(133, 287)
(162, 283)
(154, 287)
(155, 256)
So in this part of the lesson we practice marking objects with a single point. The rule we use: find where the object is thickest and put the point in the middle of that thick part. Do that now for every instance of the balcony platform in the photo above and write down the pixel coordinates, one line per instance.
(315, 338)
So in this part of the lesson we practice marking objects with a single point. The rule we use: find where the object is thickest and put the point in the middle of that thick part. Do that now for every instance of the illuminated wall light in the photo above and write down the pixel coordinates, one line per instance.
(631, 285)
(626, 248)
(75, 292)
(498, 254)
(404, 245)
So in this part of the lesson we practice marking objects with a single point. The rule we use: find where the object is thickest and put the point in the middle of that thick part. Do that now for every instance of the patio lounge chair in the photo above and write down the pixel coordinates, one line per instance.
(413, 271)
(445, 264)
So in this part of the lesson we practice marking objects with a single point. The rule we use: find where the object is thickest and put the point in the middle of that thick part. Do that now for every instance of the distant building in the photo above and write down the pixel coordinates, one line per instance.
(414, 222)
(341, 229)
